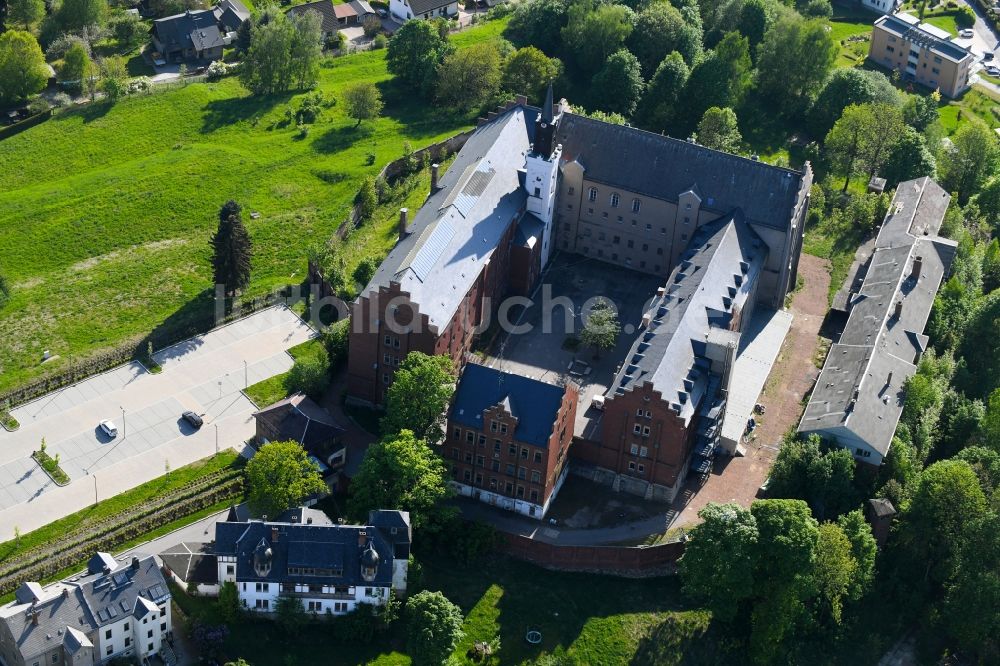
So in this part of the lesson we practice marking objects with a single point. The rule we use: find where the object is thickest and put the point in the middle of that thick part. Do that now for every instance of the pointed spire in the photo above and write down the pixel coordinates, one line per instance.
(548, 114)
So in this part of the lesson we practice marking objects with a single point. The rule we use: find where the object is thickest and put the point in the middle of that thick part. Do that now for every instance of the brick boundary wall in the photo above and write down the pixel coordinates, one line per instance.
(626, 561)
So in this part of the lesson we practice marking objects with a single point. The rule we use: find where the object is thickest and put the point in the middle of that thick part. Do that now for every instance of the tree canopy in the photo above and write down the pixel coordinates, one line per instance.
(232, 250)
(657, 108)
(529, 71)
(433, 628)
(617, 88)
(22, 67)
(718, 130)
(468, 78)
(419, 396)
(362, 100)
(844, 87)
(594, 31)
(414, 53)
(399, 472)
(659, 30)
(793, 62)
(279, 476)
(971, 160)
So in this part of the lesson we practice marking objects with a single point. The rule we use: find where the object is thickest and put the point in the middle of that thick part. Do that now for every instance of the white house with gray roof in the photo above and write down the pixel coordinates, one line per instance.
(115, 609)
(859, 396)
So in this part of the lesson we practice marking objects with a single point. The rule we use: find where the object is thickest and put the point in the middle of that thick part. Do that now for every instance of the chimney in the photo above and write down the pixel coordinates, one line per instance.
(898, 310)
(34, 618)
(65, 593)
(434, 177)
(917, 264)
(309, 521)
(403, 215)
(135, 562)
(888, 381)
(362, 538)
(274, 535)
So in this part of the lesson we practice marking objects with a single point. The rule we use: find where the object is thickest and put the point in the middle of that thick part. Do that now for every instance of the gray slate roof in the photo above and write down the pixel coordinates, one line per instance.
(193, 562)
(193, 29)
(322, 7)
(711, 282)
(459, 226)
(663, 167)
(230, 14)
(860, 390)
(108, 596)
(300, 419)
(423, 6)
(307, 546)
(534, 403)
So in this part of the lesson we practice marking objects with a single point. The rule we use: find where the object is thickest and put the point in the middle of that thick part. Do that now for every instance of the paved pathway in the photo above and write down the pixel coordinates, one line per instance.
(205, 375)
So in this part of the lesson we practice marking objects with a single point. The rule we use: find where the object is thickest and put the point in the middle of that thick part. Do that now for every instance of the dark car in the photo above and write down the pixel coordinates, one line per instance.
(193, 419)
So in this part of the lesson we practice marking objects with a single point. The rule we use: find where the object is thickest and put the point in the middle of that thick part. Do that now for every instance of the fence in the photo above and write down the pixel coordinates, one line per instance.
(629, 561)
(134, 348)
(19, 127)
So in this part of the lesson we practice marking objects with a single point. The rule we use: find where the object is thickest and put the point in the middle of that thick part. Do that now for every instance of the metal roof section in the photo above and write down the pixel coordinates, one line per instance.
(457, 229)
(710, 284)
(859, 394)
(924, 34)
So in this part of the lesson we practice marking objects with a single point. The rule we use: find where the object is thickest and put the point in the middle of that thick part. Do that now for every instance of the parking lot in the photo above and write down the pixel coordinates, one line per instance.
(205, 375)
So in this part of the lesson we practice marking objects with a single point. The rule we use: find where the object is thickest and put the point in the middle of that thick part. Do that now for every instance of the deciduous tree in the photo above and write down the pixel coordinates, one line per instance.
(793, 62)
(909, 158)
(618, 86)
(399, 472)
(529, 71)
(971, 160)
(75, 68)
(414, 53)
(659, 30)
(362, 101)
(720, 78)
(659, 104)
(433, 628)
(469, 77)
(844, 87)
(267, 66)
(419, 395)
(279, 476)
(76, 14)
(594, 31)
(25, 14)
(310, 374)
(306, 49)
(718, 130)
(538, 23)
(836, 569)
(600, 331)
(22, 67)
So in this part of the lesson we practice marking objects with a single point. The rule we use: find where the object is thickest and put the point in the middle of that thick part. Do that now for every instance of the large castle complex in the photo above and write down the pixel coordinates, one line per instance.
(720, 233)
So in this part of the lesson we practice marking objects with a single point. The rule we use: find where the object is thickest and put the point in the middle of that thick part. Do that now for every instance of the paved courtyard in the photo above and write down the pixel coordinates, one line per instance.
(205, 375)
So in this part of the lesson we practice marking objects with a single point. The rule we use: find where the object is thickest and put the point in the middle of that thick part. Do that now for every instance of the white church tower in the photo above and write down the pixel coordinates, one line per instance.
(542, 171)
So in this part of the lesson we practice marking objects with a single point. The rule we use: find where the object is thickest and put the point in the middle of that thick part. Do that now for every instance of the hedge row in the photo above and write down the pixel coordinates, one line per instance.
(125, 532)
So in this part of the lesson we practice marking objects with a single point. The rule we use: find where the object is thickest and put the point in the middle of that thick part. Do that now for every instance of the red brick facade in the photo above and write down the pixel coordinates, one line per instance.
(641, 438)
(493, 460)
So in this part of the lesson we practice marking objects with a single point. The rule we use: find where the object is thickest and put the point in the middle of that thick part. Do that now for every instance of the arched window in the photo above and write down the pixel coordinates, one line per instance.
(614, 200)
(592, 196)
(636, 205)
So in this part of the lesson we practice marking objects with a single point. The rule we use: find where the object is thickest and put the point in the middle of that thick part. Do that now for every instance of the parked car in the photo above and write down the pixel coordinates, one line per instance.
(192, 418)
(109, 428)
(988, 56)
(993, 70)
(966, 34)
(382, 13)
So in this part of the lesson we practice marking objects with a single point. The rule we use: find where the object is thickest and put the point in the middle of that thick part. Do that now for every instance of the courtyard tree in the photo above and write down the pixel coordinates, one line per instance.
(362, 101)
(600, 331)
(232, 250)
(279, 476)
(836, 569)
(863, 550)
(847, 86)
(793, 62)
(617, 87)
(822, 478)
(729, 531)
(528, 71)
(433, 628)
(399, 472)
(718, 130)
(909, 158)
(855, 141)
(413, 56)
(22, 67)
(419, 396)
(468, 78)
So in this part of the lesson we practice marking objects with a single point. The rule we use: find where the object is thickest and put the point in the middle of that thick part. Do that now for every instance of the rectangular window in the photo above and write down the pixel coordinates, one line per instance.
(495, 466)
(631, 466)
(645, 431)
(617, 239)
(642, 468)
(638, 412)
(512, 449)
(128, 641)
(538, 456)
(493, 426)
(480, 461)
(108, 651)
(536, 476)
(643, 451)
(387, 359)
(637, 429)
(467, 475)
(631, 243)
(592, 195)
(470, 437)
(107, 634)
(388, 341)
(636, 204)
(510, 469)
(456, 454)
(458, 433)
(149, 634)
(395, 343)
(503, 428)
(522, 472)
(569, 191)
(614, 200)
(509, 488)
(479, 479)
(163, 626)
(524, 453)
(534, 496)
(520, 491)
(468, 457)
(482, 440)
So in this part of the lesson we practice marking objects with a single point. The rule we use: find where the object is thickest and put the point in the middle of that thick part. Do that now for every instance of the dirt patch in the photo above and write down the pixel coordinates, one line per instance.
(152, 246)
(738, 479)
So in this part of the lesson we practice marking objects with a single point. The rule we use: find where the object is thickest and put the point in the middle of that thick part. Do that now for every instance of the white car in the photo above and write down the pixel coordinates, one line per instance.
(109, 428)
(966, 34)
(992, 70)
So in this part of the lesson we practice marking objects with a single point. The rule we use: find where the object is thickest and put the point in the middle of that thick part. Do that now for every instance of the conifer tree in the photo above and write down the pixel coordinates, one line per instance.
(231, 250)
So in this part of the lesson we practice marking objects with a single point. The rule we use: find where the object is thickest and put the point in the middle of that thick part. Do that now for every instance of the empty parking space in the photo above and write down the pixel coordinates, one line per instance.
(205, 375)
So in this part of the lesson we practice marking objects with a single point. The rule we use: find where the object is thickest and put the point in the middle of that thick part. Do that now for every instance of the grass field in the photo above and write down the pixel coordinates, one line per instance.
(276, 388)
(106, 212)
(592, 619)
(838, 243)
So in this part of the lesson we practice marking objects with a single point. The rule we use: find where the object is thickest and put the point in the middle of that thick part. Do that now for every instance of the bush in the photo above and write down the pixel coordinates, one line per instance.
(310, 108)
(310, 375)
(372, 26)
(60, 100)
(965, 17)
(216, 70)
(335, 339)
(380, 41)
(61, 44)
(335, 42)
(140, 84)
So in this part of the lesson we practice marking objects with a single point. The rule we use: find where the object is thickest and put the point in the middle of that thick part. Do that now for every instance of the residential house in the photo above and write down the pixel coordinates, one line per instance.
(113, 610)
(509, 438)
(330, 568)
(198, 35)
(405, 10)
(882, 6)
(299, 419)
(922, 53)
(336, 16)
(858, 398)
(353, 13)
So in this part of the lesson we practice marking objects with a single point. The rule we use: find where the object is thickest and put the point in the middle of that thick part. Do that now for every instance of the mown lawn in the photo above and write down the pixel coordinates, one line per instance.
(276, 388)
(838, 243)
(592, 619)
(106, 212)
